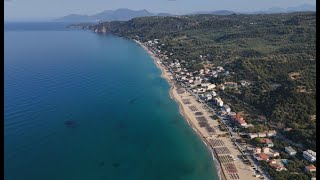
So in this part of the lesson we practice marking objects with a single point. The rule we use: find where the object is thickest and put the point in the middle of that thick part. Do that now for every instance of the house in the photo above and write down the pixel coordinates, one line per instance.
(211, 86)
(265, 149)
(269, 143)
(230, 84)
(272, 161)
(263, 157)
(309, 155)
(310, 168)
(275, 154)
(244, 83)
(214, 93)
(218, 101)
(262, 134)
(257, 150)
(208, 97)
(271, 133)
(278, 167)
(226, 108)
(290, 151)
(205, 84)
(199, 90)
(266, 141)
(239, 120)
(253, 135)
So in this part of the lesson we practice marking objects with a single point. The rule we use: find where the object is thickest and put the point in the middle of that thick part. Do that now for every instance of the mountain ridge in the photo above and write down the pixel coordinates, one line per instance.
(121, 14)
(125, 14)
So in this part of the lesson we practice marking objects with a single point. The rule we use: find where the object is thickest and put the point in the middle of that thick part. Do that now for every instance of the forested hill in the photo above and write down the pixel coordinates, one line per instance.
(275, 51)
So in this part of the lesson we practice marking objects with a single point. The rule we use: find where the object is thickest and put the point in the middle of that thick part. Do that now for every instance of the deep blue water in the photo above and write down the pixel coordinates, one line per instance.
(125, 124)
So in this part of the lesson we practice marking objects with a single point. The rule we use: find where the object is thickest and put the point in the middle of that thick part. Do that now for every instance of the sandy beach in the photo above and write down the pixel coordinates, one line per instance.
(220, 147)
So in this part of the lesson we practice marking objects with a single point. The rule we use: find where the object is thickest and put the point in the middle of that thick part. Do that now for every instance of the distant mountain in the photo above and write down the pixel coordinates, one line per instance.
(220, 12)
(300, 8)
(303, 7)
(122, 14)
(74, 18)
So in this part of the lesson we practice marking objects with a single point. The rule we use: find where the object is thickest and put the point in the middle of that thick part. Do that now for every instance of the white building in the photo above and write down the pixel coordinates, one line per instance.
(208, 97)
(265, 149)
(211, 86)
(309, 155)
(253, 135)
(271, 133)
(218, 102)
(257, 150)
(227, 108)
(205, 84)
(214, 72)
(290, 151)
(262, 134)
(219, 69)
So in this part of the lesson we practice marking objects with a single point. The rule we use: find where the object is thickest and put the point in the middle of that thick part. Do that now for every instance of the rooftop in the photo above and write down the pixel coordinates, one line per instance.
(263, 156)
(310, 167)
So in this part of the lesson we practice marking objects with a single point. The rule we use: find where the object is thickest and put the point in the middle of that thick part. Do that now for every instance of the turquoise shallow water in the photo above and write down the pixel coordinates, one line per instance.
(126, 125)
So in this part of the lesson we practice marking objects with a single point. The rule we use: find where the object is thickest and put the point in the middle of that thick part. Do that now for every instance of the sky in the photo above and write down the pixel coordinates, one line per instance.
(51, 9)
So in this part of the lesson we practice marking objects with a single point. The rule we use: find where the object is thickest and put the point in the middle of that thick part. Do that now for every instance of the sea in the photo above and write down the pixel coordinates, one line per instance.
(84, 106)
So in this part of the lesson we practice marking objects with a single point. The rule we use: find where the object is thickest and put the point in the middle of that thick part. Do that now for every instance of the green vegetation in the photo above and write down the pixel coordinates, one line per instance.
(284, 175)
(276, 52)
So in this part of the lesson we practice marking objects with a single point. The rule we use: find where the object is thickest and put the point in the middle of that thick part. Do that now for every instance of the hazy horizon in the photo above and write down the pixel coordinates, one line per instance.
(18, 10)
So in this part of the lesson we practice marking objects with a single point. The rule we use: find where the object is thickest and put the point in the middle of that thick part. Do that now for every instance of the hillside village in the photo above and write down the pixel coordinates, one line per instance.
(258, 145)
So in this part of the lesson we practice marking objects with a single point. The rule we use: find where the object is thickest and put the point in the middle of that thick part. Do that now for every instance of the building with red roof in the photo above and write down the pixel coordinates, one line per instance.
(239, 120)
(263, 157)
(310, 168)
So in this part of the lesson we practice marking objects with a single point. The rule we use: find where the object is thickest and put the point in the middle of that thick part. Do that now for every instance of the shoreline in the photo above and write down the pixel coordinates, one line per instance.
(218, 165)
